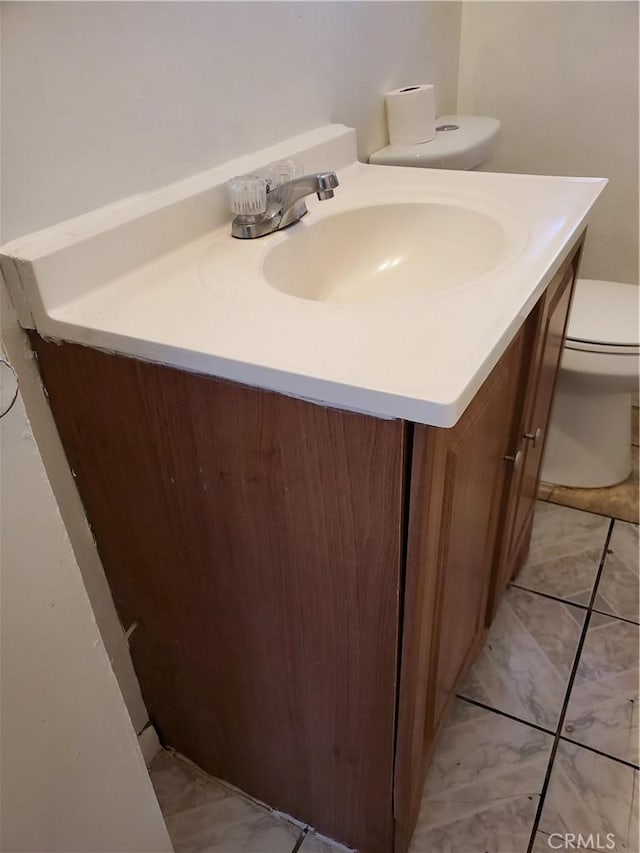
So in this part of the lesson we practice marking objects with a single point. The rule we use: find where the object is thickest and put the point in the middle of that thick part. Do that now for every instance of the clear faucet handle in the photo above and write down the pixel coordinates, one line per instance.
(247, 195)
(284, 170)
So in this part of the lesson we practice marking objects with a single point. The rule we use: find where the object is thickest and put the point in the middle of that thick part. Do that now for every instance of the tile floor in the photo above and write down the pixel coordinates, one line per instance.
(543, 738)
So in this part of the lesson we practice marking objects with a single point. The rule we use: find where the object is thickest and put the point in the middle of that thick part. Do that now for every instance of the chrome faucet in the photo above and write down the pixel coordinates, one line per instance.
(262, 208)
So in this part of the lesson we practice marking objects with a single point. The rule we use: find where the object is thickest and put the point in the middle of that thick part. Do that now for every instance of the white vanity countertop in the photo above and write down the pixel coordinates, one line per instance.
(159, 277)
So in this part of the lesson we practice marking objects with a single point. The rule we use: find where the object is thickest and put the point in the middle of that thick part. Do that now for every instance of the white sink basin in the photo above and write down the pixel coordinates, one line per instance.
(387, 252)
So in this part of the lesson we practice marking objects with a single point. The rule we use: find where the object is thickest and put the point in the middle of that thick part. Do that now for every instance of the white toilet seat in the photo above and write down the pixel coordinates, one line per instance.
(603, 336)
(604, 315)
(605, 349)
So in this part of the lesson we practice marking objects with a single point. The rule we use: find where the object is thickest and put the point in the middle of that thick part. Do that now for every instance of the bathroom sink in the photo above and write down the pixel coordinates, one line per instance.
(387, 252)
(396, 297)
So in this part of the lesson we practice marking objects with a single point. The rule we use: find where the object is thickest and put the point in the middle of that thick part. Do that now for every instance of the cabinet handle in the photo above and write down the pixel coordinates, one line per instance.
(534, 437)
(517, 460)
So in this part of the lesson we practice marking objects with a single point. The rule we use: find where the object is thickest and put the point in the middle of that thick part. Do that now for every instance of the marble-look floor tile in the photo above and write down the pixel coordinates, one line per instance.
(526, 661)
(560, 531)
(625, 542)
(205, 816)
(618, 591)
(543, 843)
(591, 794)
(571, 577)
(315, 843)
(603, 706)
(231, 824)
(483, 787)
(180, 785)
(462, 712)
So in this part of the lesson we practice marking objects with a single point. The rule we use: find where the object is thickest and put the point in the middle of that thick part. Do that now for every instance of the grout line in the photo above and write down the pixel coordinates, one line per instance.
(572, 677)
(615, 616)
(300, 840)
(505, 714)
(549, 595)
(600, 752)
(575, 603)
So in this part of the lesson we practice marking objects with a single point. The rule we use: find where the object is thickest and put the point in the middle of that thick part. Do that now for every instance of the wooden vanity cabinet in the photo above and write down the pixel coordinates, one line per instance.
(308, 586)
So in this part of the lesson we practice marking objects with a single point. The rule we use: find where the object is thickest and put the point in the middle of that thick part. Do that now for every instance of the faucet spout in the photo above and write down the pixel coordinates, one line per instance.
(290, 194)
(284, 204)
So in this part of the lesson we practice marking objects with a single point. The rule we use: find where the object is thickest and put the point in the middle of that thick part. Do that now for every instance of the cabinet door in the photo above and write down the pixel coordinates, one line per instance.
(550, 316)
(457, 482)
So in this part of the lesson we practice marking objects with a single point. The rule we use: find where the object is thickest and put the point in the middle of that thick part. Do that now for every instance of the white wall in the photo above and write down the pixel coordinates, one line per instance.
(103, 100)
(73, 777)
(70, 505)
(563, 78)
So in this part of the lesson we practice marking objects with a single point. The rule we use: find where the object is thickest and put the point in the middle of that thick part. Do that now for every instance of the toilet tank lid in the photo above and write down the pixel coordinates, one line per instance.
(605, 312)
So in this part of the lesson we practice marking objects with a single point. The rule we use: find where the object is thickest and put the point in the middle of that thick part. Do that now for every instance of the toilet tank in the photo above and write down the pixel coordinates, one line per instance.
(461, 142)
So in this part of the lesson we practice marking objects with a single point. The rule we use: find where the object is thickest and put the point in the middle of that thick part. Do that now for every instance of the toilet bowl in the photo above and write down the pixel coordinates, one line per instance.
(589, 441)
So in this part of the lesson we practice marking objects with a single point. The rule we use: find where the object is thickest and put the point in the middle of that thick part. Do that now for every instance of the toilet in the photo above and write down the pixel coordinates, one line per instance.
(589, 441)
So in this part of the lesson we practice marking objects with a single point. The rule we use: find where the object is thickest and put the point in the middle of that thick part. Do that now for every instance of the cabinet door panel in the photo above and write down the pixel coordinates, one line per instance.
(475, 469)
(550, 317)
(457, 482)
(552, 335)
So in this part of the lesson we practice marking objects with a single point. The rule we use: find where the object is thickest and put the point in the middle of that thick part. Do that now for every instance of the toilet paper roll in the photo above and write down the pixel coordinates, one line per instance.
(411, 114)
